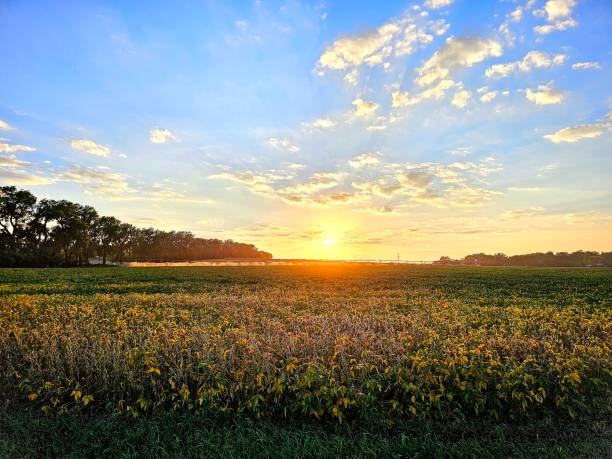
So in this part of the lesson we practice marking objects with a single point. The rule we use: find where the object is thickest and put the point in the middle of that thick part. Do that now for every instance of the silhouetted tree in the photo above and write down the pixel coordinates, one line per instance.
(49, 233)
(107, 236)
(560, 259)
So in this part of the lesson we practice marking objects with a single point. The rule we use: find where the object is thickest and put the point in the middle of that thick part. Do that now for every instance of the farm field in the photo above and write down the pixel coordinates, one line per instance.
(402, 360)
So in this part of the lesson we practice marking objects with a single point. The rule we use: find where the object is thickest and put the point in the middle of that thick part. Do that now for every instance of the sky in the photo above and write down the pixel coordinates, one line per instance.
(321, 129)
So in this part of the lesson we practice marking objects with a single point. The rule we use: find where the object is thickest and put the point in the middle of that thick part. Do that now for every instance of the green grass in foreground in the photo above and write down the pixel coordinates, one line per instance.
(27, 434)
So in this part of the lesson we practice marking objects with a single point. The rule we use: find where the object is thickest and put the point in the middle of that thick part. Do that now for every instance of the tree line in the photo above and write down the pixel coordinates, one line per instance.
(560, 259)
(51, 232)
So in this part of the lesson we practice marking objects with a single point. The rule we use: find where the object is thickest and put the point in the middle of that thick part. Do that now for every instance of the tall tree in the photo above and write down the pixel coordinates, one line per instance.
(16, 212)
(87, 219)
(67, 228)
(107, 236)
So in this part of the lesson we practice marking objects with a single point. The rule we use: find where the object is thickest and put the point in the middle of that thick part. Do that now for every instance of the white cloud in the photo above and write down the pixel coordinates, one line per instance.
(517, 14)
(283, 144)
(488, 96)
(398, 37)
(400, 99)
(354, 51)
(89, 146)
(437, 92)
(365, 159)
(351, 77)
(558, 14)
(16, 176)
(370, 179)
(576, 133)
(303, 191)
(12, 161)
(5, 126)
(159, 136)
(14, 148)
(558, 26)
(364, 108)
(461, 151)
(341, 197)
(504, 29)
(99, 180)
(436, 4)
(586, 66)
(257, 182)
(440, 185)
(533, 59)
(461, 98)
(545, 94)
(558, 9)
(323, 123)
(15, 171)
(320, 123)
(455, 53)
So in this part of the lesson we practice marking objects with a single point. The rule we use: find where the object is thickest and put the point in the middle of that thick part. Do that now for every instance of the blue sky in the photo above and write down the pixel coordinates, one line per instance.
(424, 128)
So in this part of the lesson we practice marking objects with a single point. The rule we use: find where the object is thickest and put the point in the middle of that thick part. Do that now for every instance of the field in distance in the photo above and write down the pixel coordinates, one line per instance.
(342, 345)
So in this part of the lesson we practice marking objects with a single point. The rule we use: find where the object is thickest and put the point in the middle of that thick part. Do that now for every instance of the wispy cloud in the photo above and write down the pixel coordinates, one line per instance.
(586, 66)
(14, 148)
(456, 53)
(23, 177)
(437, 4)
(364, 108)
(365, 159)
(545, 94)
(90, 147)
(99, 180)
(457, 184)
(320, 123)
(488, 96)
(159, 136)
(576, 133)
(4, 126)
(396, 38)
(532, 60)
(283, 144)
(434, 92)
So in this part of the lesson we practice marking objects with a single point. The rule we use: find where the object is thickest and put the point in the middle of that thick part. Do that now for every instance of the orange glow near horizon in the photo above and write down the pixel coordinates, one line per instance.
(318, 234)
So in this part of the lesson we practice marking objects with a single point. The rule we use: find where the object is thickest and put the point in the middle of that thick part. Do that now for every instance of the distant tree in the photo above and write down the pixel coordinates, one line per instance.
(106, 235)
(87, 220)
(67, 228)
(126, 236)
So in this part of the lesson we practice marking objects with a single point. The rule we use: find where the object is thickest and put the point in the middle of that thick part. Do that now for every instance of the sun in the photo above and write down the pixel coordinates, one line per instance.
(329, 242)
